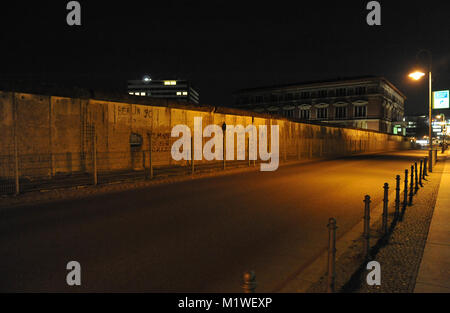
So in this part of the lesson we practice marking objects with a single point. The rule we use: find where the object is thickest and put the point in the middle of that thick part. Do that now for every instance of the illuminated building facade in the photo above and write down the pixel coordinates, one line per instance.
(365, 102)
(169, 89)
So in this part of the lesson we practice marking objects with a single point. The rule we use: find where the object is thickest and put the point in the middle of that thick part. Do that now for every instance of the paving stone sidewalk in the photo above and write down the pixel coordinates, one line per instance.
(434, 272)
(399, 254)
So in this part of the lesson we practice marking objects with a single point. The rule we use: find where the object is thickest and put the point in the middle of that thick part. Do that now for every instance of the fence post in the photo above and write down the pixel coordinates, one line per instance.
(143, 164)
(321, 148)
(16, 164)
(248, 150)
(405, 197)
(421, 173)
(385, 209)
(397, 196)
(224, 148)
(94, 155)
(411, 186)
(249, 284)
(331, 254)
(366, 233)
(16, 149)
(150, 154)
(416, 188)
(192, 156)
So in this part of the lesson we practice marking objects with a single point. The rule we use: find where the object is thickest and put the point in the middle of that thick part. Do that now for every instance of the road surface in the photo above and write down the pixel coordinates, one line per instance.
(192, 236)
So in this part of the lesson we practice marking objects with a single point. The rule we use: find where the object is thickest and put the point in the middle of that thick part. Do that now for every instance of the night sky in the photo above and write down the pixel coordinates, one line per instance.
(224, 46)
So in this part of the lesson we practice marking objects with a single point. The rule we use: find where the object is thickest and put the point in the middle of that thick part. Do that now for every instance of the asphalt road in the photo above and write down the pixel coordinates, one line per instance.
(193, 236)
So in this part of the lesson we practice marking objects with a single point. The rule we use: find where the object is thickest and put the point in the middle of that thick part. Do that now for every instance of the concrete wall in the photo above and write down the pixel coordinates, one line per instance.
(54, 133)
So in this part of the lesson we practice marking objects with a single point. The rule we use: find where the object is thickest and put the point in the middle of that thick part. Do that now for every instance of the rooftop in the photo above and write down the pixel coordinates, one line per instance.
(317, 83)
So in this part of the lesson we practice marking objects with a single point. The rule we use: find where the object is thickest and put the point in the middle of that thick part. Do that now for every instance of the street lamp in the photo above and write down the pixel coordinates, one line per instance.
(416, 75)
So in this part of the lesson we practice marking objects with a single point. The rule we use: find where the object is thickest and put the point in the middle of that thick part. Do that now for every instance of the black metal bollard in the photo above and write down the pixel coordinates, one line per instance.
(421, 173)
(411, 186)
(366, 233)
(249, 284)
(430, 161)
(397, 196)
(425, 164)
(384, 226)
(405, 192)
(331, 255)
(416, 188)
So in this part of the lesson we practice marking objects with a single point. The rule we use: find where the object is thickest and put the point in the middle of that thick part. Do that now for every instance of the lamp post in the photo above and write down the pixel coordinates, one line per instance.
(443, 124)
(416, 75)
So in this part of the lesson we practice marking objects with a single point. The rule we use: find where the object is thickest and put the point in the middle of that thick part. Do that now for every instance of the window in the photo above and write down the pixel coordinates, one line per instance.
(360, 90)
(170, 82)
(305, 114)
(142, 93)
(322, 94)
(289, 113)
(178, 93)
(360, 111)
(305, 95)
(341, 112)
(185, 93)
(322, 113)
(273, 98)
(341, 92)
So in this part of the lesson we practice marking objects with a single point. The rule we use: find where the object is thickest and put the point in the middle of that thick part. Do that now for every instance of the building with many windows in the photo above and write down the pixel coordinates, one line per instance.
(365, 102)
(416, 126)
(170, 89)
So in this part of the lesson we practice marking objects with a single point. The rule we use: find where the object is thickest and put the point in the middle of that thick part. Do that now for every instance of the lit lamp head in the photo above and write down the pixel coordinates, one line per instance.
(147, 79)
(416, 75)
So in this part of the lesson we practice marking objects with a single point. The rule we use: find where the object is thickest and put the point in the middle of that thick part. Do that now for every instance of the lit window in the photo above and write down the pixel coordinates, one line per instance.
(185, 93)
(136, 93)
(142, 93)
(131, 93)
(178, 93)
(170, 82)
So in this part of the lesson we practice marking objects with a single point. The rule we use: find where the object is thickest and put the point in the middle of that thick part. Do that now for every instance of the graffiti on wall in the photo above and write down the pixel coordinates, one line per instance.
(138, 115)
(161, 142)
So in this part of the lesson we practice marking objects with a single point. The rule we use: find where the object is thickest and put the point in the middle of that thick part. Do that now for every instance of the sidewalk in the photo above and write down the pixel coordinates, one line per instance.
(434, 271)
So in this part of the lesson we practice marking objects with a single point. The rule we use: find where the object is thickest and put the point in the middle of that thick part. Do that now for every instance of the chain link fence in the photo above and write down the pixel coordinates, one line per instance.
(29, 172)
